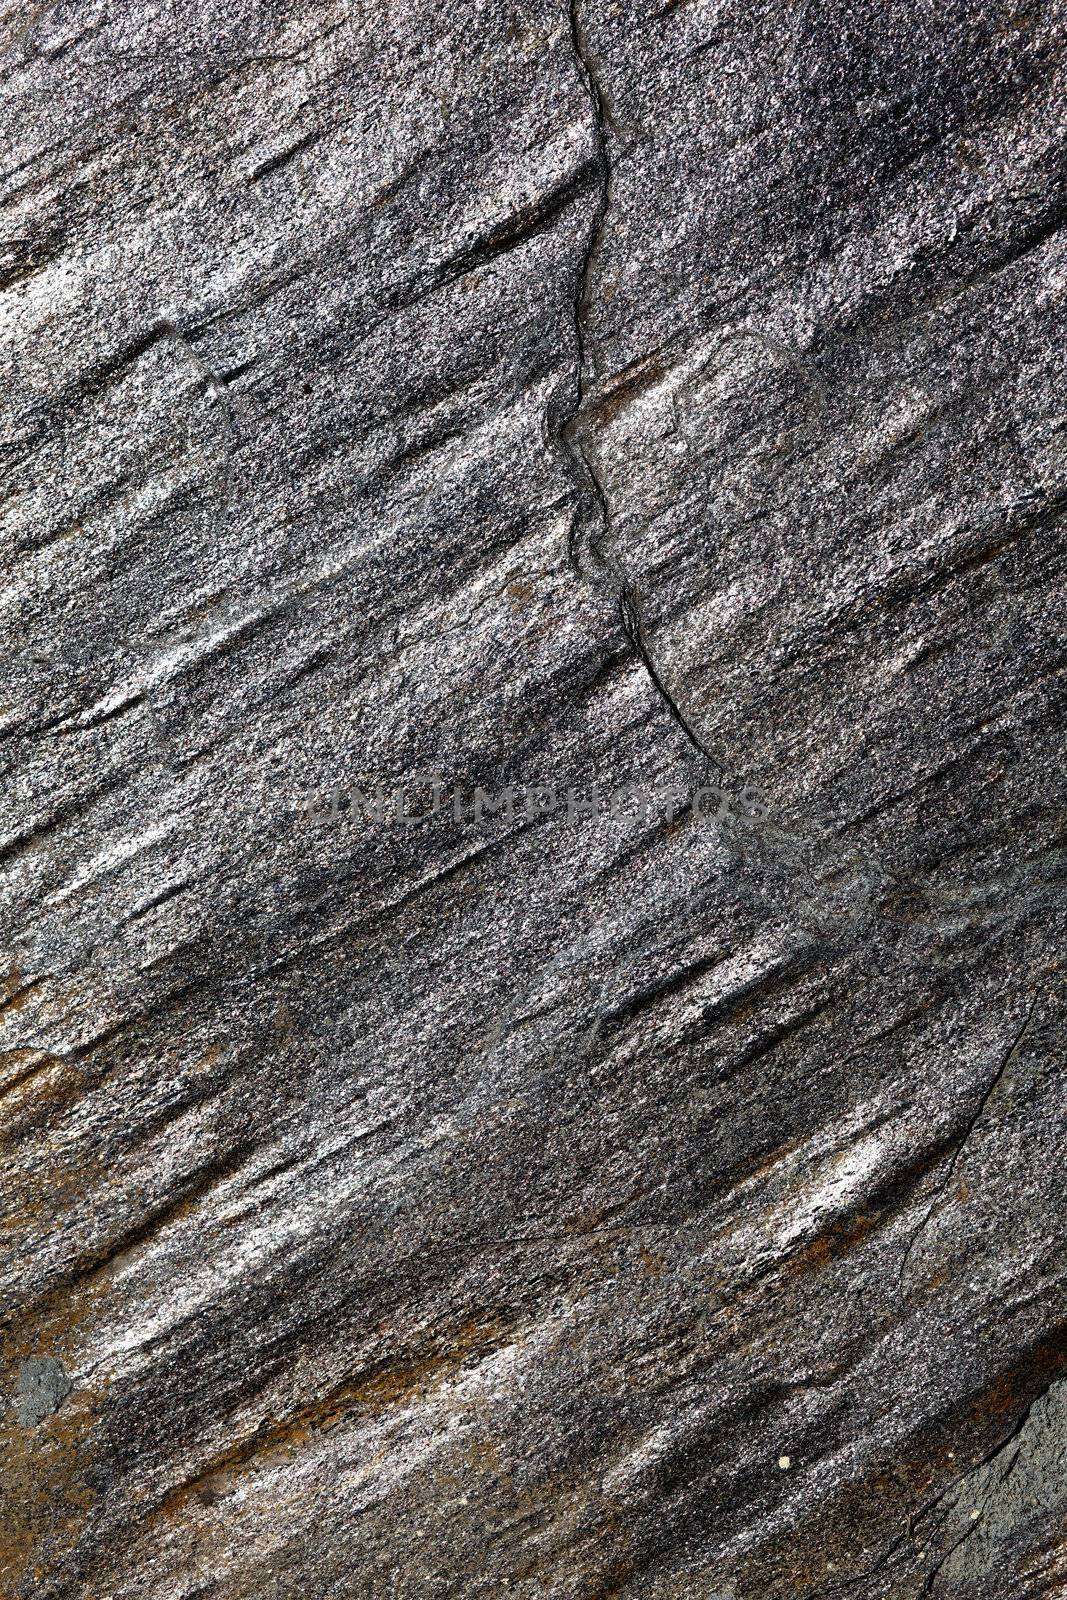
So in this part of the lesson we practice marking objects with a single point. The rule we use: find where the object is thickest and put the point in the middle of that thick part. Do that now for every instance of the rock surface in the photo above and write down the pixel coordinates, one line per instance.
(555, 1203)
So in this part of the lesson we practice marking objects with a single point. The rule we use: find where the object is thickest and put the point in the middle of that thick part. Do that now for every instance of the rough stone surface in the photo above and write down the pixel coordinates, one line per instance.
(654, 1208)
(42, 1387)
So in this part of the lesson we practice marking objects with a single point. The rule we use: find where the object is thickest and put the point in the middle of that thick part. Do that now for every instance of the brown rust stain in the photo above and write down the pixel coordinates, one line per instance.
(34, 1200)
(652, 1262)
(47, 1490)
(600, 1217)
(208, 1060)
(373, 1392)
(999, 1400)
(839, 1238)
(285, 1023)
(772, 985)
(15, 991)
(1013, 1390)
(767, 1164)
(584, 1535)
(31, 1096)
(844, 1531)
(47, 1470)
(631, 381)
(19, 1067)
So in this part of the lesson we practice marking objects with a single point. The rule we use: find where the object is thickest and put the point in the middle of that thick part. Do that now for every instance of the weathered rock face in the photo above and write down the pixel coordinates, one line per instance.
(664, 1202)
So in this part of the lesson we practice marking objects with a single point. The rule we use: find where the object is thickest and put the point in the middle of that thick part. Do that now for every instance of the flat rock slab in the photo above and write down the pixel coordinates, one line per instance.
(531, 859)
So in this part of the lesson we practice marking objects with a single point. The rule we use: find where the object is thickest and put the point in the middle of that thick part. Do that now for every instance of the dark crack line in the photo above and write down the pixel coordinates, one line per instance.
(1015, 1433)
(965, 1136)
(594, 519)
(1014, 1462)
(956, 1485)
(570, 432)
(524, 224)
(630, 616)
(931, 1578)
(868, 1572)
(591, 519)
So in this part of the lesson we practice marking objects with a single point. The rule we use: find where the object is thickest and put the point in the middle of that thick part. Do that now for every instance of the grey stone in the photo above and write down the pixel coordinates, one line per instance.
(1011, 1496)
(42, 1387)
(560, 396)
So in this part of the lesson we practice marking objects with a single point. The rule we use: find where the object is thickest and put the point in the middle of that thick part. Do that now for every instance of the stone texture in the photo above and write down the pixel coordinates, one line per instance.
(578, 398)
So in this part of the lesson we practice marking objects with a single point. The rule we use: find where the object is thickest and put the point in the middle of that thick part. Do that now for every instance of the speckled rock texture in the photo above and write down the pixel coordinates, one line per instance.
(629, 1203)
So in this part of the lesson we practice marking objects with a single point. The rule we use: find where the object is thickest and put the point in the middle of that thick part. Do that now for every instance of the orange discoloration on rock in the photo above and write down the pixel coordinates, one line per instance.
(839, 1238)
(207, 1060)
(18, 1067)
(642, 375)
(999, 1400)
(48, 1493)
(374, 1392)
(652, 1263)
(38, 1085)
(15, 991)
